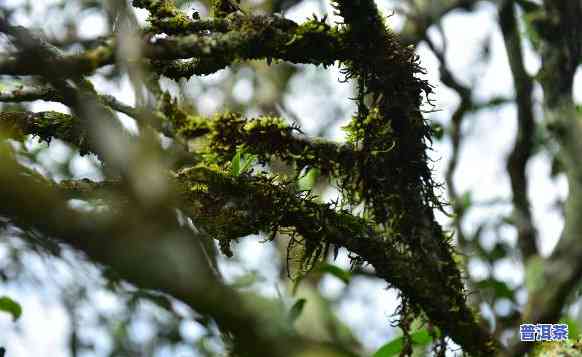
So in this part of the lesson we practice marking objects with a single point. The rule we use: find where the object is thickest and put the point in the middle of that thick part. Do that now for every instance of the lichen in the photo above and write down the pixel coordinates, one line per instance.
(46, 126)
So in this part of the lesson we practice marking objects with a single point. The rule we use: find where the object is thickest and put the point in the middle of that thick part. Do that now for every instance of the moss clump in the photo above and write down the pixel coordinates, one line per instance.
(222, 8)
(233, 207)
(570, 348)
(46, 126)
(265, 137)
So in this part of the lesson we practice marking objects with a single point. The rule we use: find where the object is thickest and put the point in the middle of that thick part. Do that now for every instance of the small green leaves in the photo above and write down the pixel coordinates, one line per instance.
(296, 310)
(241, 162)
(11, 307)
(336, 271)
(573, 326)
(394, 347)
(235, 164)
(247, 280)
(308, 181)
(465, 201)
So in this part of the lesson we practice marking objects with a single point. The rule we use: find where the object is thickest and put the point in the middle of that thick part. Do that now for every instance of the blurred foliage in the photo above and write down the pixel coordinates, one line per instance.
(11, 307)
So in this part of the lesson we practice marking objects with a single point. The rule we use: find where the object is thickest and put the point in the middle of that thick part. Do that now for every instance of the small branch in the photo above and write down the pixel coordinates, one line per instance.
(427, 14)
(46, 125)
(523, 147)
(28, 92)
(17, 92)
(165, 17)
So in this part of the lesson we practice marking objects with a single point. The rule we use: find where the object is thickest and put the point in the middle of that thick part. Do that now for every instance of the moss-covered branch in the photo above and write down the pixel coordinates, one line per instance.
(232, 207)
(384, 166)
(153, 253)
(265, 137)
(46, 126)
(393, 179)
(165, 17)
(256, 37)
(17, 92)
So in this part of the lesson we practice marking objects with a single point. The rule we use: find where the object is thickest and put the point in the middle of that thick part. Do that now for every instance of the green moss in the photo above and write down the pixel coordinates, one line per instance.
(384, 166)
(90, 60)
(310, 39)
(568, 348)
(222, 8)
(265, 137)
(233, 207)
(46, 126)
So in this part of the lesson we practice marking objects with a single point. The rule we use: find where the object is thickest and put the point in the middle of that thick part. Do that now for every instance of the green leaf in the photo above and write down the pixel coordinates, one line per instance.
(336, 271)
(246, 280)
(466, 201)
(392, 348)
(573, 327)
(241, 162)
(296, 309)
(11, 307)
(235, 164)
(499, 288)
(248, 161)
(308, 181)
(419, 338)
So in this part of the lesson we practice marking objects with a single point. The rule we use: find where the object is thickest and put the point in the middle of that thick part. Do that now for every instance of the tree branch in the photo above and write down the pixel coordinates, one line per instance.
(561, 52)
(388, 115)
(153, 253)
(523, 146)
(251, 37)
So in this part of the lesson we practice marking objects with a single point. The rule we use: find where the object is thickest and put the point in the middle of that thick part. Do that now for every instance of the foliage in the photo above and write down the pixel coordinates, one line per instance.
(11, 307)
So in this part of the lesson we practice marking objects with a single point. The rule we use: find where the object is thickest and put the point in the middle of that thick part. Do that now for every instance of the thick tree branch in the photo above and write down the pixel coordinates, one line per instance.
(252, 37)
(389, 115)
(391, 177)
(152, 252)
(230, 208)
